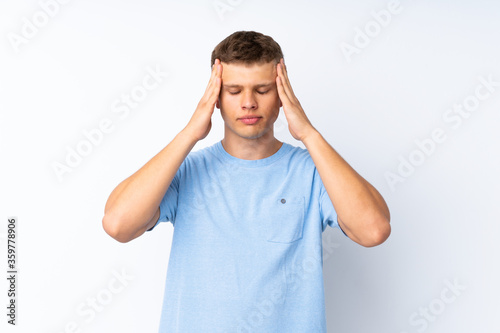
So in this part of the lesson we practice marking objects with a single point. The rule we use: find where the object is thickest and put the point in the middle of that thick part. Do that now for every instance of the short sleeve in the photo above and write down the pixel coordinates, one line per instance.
(168, 205)
(327, 211)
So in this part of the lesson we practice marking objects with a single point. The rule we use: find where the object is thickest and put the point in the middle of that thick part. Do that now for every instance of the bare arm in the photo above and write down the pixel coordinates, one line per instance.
(362, 212)
(133, 206)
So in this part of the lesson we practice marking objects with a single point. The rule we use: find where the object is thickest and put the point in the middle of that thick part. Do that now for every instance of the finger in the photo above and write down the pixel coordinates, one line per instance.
(283, 81)
(214, 70)
(285, 74)
(210, 84)
(285, 100)
(215, 73)
(214, 88)
(217, 89)
(213, 93)
(283, 67)
(218, 76)
(286, 83)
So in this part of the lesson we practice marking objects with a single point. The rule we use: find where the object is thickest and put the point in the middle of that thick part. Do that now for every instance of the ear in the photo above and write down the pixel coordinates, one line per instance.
(217, 104)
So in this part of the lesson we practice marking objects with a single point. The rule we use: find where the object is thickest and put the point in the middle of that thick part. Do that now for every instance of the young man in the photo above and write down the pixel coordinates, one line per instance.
(248, 211)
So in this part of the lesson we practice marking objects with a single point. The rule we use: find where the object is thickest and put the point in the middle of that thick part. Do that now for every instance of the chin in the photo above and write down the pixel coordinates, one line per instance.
(253, 135)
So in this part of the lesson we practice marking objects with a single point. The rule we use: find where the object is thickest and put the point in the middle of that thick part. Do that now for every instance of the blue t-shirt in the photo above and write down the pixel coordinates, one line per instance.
(246, 251)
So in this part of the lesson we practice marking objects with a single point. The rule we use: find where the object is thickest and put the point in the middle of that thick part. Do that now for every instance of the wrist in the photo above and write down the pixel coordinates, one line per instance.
(188, 135)
(310, 135)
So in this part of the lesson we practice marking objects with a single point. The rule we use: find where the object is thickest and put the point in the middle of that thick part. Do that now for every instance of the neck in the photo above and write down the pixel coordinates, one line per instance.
(251, 149)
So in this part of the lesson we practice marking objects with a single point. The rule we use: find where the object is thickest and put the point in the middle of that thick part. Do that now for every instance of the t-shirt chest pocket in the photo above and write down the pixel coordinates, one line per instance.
(284, 219)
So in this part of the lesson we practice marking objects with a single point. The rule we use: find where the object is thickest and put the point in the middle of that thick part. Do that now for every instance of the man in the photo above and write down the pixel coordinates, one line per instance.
(248, 211)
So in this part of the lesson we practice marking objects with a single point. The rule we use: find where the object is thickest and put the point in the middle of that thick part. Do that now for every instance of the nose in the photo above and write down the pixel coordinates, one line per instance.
(248, 102)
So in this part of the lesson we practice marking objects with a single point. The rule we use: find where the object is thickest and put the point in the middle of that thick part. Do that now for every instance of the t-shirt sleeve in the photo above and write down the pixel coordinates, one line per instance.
(168, 205)
(327, 211)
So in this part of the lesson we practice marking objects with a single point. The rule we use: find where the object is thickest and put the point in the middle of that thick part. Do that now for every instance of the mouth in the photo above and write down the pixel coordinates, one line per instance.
(250, 120)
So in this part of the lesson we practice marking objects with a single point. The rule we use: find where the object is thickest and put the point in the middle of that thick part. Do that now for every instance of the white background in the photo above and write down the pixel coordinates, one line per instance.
(371, 106)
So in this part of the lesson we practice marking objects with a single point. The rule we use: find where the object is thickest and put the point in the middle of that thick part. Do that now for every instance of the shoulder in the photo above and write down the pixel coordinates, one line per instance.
(202, 156)
(298, 154)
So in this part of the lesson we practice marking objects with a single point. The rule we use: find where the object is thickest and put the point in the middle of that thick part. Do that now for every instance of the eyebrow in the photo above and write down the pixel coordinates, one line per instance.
(239, 86)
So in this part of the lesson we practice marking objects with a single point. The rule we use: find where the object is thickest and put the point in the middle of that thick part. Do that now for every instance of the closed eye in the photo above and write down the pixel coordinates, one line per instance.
(261, 92)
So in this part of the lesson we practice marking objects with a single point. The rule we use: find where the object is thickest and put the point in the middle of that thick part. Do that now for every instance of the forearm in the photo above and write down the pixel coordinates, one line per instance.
(362, 211)
(134, 202)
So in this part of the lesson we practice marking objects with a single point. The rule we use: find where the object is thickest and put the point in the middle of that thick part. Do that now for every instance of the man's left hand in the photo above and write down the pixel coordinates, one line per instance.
(298, 123)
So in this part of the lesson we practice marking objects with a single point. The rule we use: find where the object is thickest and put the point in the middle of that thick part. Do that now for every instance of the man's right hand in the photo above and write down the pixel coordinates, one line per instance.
(133, 206)
(201, 122)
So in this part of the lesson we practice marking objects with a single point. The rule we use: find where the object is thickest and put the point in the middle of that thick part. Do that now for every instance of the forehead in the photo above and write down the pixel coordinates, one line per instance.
(241, 74)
